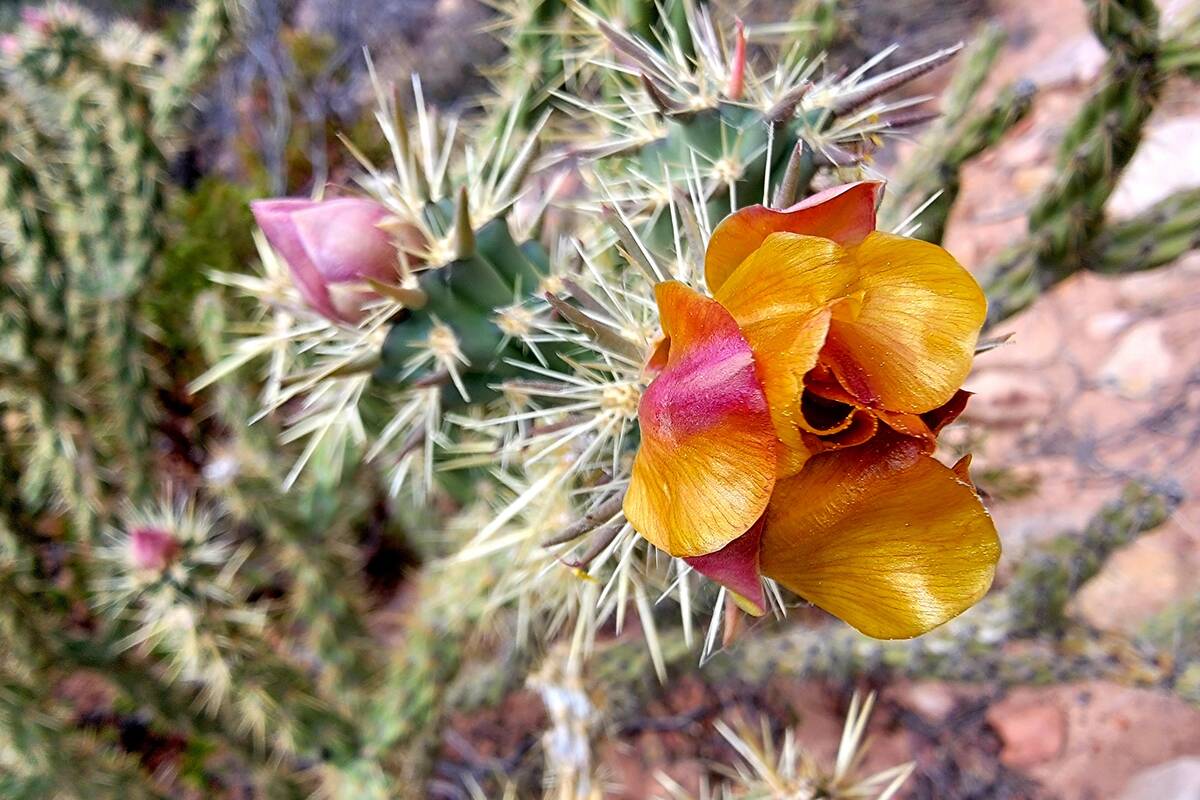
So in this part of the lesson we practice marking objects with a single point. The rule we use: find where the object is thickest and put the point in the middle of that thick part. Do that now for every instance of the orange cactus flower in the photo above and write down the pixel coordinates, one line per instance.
(789, 426)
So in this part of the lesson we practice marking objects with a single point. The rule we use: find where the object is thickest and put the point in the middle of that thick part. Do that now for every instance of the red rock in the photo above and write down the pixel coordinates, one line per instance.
(1175, 780)
(1141, 363)
(1143, 579)
(1032, 730)
(1112, 734)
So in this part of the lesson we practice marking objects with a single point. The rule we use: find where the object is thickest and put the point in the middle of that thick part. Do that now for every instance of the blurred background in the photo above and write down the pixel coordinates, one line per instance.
(1097, 386)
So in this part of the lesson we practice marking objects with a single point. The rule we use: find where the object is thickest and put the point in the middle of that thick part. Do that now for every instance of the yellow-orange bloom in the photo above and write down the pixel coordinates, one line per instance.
(789, 426)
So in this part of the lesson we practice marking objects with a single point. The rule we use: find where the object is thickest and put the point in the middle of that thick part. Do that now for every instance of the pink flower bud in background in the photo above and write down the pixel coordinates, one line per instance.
(10, 45)
(35, 18)
(331, 248)
(152, 549)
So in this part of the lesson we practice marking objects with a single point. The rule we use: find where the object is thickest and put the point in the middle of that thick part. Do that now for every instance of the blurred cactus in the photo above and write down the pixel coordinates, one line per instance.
(1153, 238)
(1068, 231)
(88, 112)
(1066, 222)
(926, 184)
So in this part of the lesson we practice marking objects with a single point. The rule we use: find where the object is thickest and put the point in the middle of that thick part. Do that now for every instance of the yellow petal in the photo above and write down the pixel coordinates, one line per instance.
(904, 337)
(780, 297)
(887, 539)
(845, 214)
(706, 464)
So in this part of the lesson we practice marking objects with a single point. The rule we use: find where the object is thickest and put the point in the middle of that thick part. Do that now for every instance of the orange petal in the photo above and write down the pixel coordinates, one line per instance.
(780, 297)
(735, 566)
(904, 337)
(909, 425)
(863, 425)
(845, 214)
(962, 468)
(706, 465)
(886, 538)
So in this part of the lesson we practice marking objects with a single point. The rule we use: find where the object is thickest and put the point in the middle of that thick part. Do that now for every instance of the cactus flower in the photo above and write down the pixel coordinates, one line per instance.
(789, 427)
(331, 248)
(152, 549)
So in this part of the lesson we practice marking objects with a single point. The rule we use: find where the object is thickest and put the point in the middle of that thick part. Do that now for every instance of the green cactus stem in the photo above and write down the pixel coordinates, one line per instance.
(491, 271)
(1068, 216)
(927, 184)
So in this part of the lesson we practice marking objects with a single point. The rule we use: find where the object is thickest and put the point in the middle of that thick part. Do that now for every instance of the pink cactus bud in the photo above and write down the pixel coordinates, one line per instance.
(35, 18)
(152, 549)
(331, 248)
(10, 45)
(737, 69)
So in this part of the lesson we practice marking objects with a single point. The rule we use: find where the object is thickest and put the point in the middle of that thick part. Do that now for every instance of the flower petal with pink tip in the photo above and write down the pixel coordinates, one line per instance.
(706, 464)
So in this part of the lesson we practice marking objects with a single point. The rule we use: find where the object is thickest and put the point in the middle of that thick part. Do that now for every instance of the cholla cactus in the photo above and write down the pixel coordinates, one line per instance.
(1067, 222)
(720, 129)
(787, 770)
(428, 334)
(88, 111)
(715, 392)
(168, 572)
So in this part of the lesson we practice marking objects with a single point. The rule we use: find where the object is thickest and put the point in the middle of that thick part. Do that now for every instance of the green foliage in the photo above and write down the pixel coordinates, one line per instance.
(212, 231)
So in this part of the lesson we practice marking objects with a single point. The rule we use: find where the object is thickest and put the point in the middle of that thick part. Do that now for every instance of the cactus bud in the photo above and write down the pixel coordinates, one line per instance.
(737, 70)
(152, 549)
(36, 19)
(333, 248)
